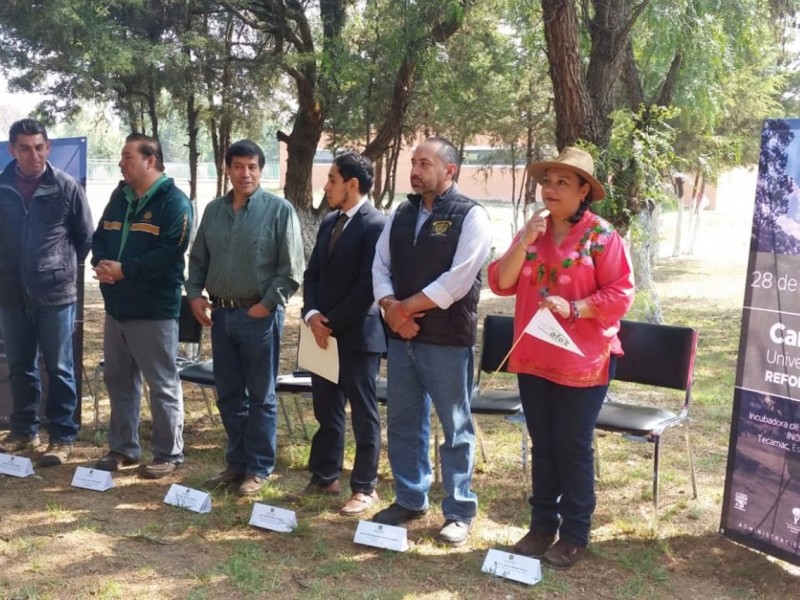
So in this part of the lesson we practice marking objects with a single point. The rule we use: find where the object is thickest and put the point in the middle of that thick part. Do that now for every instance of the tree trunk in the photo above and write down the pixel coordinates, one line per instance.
(696, 205)
(378, 187)
(655, 234)
(641, 252)
(192, 129)
(152, 108)
(572, 103)
(404, 81)
(301, 146)
(677, 185)
(395, 151)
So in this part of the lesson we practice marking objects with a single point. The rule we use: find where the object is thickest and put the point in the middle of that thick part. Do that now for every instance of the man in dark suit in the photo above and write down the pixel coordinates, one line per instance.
(338, 302)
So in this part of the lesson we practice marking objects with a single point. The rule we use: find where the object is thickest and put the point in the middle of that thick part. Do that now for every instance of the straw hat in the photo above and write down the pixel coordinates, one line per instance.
(574, 159)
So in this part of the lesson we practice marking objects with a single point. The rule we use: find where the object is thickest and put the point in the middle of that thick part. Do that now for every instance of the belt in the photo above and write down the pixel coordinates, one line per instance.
(233, 302)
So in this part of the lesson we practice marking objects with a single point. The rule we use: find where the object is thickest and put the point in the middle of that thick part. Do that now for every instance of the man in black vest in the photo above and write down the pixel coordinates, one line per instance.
(338, 302)
(426, 275)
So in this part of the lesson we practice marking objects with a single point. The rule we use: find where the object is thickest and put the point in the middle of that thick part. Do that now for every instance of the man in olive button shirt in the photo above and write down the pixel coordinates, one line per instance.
(248, 256)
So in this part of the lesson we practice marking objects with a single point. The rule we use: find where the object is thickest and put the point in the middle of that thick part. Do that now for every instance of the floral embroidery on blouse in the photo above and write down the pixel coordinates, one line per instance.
(591, 244)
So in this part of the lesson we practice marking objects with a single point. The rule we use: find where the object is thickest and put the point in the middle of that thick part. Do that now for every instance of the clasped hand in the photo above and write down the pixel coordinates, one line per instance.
(108, 271)
(401, 322)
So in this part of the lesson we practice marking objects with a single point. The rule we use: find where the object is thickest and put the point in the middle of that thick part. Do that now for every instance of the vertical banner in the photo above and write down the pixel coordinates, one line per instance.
(761, 507)
(69, 155)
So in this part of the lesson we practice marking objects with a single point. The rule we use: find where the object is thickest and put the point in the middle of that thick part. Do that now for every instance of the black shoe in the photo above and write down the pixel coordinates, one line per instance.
(396, 514)
(113, 461)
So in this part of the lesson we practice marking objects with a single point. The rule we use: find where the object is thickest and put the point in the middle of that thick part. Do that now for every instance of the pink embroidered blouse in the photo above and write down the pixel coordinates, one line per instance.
(591, 264)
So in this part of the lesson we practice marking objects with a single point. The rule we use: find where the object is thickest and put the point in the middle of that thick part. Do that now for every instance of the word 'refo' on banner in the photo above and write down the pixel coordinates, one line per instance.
(761, 508)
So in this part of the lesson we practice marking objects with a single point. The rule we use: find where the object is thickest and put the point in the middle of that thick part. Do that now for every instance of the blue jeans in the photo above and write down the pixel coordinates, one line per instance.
(246, 354)
(418, 374)
(561, 422)
(47, 329)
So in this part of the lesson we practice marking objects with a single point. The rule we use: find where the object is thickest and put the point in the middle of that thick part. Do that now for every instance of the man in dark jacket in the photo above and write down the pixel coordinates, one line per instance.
(138, 257)
(338, 302)
(45, 228)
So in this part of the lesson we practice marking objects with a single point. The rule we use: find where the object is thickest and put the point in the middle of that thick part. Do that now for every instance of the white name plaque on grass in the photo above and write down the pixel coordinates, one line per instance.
(512, 566)
(184, 497)
(377, 535)
(92, 479)
(271, 517)
(16, 466)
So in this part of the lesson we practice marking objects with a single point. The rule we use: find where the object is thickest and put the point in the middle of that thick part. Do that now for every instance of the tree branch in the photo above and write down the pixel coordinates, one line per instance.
(668, 86)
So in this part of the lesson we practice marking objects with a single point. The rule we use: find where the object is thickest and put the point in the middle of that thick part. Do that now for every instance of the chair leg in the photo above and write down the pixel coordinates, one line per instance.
(525, 449)
(207, 400)
(86, 380)
(299, 410)
(526, 472)
(97, 397)
(691, 462)
(656, 461)
(479, 437)
(286, 415)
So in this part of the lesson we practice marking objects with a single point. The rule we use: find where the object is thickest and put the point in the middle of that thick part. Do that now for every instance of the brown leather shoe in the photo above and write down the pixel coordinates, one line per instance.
(534, 544)
(563, 554)
(230, 476)
(251, 485)
(359, 503)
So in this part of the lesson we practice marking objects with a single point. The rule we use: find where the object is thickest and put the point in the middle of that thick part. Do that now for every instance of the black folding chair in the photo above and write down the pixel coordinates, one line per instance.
(497, 339)
(657, 356)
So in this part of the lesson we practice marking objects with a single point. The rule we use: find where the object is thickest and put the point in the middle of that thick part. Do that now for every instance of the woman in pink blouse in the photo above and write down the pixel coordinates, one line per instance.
(573, 263)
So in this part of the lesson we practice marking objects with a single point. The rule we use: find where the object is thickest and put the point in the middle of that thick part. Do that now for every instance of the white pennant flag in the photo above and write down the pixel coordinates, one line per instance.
(544, 326)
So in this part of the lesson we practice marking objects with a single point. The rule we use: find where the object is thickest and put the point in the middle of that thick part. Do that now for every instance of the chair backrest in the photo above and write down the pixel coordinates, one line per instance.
(190, 331)
(498, 337)
(657, 355)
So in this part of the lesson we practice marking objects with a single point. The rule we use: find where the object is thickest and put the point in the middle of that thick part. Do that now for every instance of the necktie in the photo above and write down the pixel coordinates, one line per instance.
(337, 231)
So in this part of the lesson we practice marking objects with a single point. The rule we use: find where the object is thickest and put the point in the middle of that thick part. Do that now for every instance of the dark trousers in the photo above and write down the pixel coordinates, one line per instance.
(357, 374)
(561, 422)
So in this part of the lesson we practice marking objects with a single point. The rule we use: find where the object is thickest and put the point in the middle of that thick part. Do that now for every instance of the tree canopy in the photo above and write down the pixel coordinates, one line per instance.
(693, 78)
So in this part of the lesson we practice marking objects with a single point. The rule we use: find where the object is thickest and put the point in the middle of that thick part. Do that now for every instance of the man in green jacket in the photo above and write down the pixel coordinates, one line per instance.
(138, 257)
